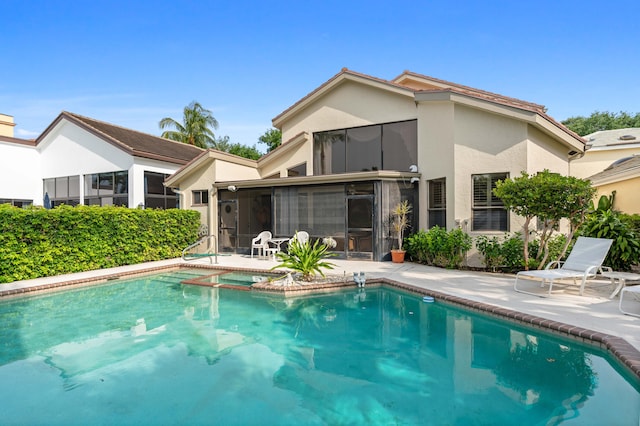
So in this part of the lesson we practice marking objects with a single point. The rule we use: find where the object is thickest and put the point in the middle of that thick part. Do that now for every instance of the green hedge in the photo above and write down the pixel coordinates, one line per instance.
(36, 242)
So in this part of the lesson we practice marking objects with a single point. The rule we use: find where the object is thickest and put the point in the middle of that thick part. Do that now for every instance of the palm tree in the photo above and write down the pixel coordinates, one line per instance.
(195, 128)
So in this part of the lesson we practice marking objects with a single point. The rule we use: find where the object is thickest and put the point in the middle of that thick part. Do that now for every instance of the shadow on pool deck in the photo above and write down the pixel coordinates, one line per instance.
(593, 311)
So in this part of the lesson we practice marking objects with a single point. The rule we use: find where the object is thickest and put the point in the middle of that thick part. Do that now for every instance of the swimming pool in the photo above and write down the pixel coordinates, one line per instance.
(150, 350)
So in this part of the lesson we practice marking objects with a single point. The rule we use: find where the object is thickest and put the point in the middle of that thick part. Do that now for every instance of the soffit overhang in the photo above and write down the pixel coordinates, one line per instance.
(204, 160)
(283, 150)
(321, 179)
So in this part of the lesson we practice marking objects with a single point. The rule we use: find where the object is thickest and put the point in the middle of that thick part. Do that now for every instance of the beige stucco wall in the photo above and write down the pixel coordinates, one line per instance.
(484, 143)
(302, 153)
(350, 105)
(203, 177)
(596, 160)
(627, 198)
(436, 152)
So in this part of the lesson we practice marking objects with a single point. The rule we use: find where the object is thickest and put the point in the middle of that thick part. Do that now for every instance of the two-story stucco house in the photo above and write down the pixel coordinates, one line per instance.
(357, 145)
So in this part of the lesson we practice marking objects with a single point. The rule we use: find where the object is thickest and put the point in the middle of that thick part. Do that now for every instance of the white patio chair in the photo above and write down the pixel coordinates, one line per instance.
(583, 263)
(301, 236)
(260, 243)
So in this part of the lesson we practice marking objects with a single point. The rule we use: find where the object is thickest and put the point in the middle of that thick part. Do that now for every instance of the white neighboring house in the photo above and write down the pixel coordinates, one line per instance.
(79, 160)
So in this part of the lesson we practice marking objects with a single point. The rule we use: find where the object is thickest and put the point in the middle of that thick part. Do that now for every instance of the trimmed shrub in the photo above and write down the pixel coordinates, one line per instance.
(35, 242)
(438, 247)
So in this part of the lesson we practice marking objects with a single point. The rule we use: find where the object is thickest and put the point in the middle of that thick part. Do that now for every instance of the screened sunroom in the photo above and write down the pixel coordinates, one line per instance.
(353, 209)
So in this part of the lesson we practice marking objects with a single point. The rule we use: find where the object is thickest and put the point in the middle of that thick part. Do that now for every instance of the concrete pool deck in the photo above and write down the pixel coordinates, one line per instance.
(593, 311)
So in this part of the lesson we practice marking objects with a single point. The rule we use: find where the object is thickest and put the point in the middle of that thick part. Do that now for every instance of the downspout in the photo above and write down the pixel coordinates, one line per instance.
(577, 156)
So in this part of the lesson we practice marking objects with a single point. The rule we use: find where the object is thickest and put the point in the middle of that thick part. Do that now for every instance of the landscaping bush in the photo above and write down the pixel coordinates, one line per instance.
(501, 254)
(35, 242)
(506, 254)
(625, 249)
(438, 247)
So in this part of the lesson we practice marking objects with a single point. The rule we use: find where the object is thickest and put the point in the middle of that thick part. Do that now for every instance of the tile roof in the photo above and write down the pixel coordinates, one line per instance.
(614, 138)
(403, 81)
(133, 142)
(18, 141)
(628, 166)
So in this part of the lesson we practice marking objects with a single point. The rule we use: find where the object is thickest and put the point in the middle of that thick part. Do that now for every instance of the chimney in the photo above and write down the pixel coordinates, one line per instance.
(6, 125)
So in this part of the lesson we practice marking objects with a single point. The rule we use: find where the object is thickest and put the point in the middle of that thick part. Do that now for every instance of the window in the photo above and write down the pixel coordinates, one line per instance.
(107, 189)
(389, 146)
(62, 190)
(437, 209)
(15, 202)
(364, 149)
(156, 195)
(200, 197)
(299, 170)
(488, 212)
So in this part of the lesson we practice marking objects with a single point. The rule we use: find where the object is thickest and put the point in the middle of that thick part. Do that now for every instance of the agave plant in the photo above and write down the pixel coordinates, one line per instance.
(306, 258)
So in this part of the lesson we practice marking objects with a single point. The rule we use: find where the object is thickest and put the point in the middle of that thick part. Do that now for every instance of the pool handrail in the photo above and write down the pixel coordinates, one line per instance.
(210, 252)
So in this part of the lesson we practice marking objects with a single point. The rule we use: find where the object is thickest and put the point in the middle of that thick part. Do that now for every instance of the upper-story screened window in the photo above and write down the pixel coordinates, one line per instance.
(389, 146)
(364, 149)
(329, 152)
(399, 145)
(489, 213)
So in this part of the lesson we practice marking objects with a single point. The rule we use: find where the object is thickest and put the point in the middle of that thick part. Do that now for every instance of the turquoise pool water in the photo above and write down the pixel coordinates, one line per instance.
(153, 351)
(233, 278)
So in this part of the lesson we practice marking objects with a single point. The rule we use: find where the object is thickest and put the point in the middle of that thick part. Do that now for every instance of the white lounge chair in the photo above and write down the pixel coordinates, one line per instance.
(301, 236)
(635, 291)
(261, 242)
(583, 263)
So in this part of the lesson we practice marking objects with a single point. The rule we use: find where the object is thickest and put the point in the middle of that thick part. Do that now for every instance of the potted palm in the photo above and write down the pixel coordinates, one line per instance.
(399, 222)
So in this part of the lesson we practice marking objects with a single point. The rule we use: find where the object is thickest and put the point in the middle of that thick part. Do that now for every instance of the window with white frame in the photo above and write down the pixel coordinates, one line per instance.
(200, 197)
(488, 212)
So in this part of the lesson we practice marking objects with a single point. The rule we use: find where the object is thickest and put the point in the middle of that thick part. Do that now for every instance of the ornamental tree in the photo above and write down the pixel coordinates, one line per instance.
(549, 197)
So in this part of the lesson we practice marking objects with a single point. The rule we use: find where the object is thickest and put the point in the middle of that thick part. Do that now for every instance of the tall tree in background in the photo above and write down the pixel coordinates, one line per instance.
(272, 138)
(195, 129)
(598, 121)
(223, 144)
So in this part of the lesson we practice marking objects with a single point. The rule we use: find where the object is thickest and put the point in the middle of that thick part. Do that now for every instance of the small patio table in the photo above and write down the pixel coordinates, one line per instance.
(277, 242)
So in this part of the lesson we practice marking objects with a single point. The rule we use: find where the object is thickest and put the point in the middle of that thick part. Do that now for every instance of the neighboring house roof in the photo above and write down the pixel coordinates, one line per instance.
(135, 143)
(412, 84)
(614, 139)
(18, 141)
(622, 169)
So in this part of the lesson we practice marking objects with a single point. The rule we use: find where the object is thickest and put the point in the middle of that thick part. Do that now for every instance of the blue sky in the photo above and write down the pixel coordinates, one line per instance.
(134, 62)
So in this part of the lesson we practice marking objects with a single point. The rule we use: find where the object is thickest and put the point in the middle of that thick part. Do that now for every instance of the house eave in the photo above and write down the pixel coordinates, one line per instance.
(203, 159)
(335, 81)
(284, 149)
(536, 118)
(320, 179)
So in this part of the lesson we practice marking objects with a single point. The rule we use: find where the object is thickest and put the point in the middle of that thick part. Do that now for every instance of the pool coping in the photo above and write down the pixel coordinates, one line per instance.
(625, 353)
